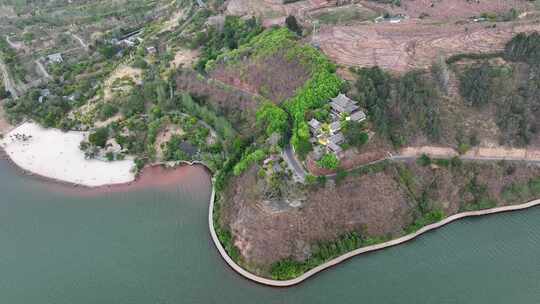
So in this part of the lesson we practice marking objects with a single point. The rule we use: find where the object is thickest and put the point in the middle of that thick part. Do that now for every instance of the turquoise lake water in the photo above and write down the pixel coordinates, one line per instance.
(152, 246)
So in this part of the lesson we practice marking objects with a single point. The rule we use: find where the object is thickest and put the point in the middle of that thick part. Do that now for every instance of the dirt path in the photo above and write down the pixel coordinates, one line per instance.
(42, 69)
(80, 40)
(479, 153)
(12, 44)
(4, 124)
(8, 82)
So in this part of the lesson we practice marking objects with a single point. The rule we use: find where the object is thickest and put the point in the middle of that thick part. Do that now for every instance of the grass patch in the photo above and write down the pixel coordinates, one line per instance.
(342, 15)
(288, 268)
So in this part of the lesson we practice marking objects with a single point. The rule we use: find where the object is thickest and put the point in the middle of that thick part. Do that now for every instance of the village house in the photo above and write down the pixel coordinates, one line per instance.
(329, 135)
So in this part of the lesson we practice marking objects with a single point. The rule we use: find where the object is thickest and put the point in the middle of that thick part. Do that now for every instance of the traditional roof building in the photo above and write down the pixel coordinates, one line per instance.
(358, 116)
(334, 147)
(315, 125)
(337, 138)
(343, 105)
(335, 126)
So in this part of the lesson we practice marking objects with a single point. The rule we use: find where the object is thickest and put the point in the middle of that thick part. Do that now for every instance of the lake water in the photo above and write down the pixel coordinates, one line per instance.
(151, 245)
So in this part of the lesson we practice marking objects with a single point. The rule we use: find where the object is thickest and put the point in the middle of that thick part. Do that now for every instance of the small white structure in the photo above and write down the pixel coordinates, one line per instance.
(151, 50)
(55, 58)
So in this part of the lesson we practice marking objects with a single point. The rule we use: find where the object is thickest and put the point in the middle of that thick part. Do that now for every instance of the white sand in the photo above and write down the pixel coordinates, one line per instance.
(55, 154)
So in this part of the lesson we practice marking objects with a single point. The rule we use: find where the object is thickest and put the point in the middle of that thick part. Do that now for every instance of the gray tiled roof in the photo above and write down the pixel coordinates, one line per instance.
(343, 104)
(337, 138)
(358, 116)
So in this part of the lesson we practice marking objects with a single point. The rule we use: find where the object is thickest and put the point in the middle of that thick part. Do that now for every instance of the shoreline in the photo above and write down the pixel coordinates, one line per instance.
(237, 268)
(4, 155)
(70, 185)
(338, 260)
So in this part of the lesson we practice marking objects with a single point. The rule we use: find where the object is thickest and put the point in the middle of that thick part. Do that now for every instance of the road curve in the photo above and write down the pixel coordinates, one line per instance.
(294, 164)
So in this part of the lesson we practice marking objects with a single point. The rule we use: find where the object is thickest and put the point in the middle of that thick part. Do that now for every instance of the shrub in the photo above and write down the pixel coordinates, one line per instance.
(292, 24)
(322, 252)
(424, 160)
(426, 219)
(328, 161)
(99, 137)
(248, 160)
(107, 111)
(273, 119)
(355, 135)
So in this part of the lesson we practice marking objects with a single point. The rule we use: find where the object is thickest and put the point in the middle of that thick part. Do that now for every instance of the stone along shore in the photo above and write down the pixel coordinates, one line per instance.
(353, 253)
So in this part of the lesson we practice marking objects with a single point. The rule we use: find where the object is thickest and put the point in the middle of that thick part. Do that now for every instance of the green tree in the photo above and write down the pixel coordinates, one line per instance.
(355, 135)
(292, 24)
(272, 118)
(99, 137)
(329, 161)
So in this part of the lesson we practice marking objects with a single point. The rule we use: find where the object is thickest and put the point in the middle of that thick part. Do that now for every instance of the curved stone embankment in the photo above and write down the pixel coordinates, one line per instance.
(353, 253)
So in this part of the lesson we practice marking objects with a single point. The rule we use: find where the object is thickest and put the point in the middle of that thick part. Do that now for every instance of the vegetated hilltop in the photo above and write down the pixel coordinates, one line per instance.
(279, 229)
(377, 203)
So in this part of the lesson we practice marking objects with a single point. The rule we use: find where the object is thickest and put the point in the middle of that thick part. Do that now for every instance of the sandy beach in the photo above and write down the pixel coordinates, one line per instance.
(55, 154)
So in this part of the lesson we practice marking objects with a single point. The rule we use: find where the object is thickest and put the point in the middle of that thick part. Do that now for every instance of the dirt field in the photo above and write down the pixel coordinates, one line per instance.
(451, 9)
(274, 77)
(184, 58)
(121, 72)
(164, 136)
(412, 45)
(274, 11)
(328, 213)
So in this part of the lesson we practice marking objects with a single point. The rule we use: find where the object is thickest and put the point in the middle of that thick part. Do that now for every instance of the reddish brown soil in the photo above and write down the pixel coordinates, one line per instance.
(155, 177)
(375, 204)
(451, 9)
(352, 158)
(412, 44)
(274, 11)
(238, 106)
(274, 77)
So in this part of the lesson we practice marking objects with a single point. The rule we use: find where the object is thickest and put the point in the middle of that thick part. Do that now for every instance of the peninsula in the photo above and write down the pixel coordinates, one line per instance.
(331, 128)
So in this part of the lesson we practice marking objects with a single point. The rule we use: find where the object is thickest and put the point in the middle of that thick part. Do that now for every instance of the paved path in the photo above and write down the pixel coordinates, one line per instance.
(294, 164)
